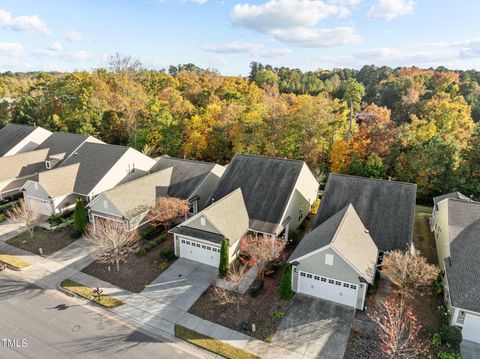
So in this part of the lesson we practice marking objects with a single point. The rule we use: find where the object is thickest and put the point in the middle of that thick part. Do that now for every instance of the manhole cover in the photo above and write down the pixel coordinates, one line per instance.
(75, 328)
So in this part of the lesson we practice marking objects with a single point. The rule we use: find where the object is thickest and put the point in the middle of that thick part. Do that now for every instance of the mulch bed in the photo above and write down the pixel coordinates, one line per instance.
(136, 273)
(49, 241)
(257, 310)
(362, 346)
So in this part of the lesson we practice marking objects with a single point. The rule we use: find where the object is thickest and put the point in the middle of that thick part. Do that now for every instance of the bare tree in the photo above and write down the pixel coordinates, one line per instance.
(232, 295)
(398, 329)
(127, 63)
(24, 216)
(408, 272)
(112, 243)
(166, 210)
(261, 250)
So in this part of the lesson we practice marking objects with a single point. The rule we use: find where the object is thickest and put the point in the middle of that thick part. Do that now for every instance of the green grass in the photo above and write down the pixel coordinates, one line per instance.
(2, 218)
(422, 236)
(86, 292)
(423, 209)
(13, 261)
(213, 345)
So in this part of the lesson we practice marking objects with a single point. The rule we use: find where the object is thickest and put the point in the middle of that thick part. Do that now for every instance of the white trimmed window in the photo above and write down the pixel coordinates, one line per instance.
(329, 259)
(203, 222)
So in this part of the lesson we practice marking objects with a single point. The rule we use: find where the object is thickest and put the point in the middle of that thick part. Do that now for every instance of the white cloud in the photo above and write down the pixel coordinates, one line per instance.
(11, 48)
(390, 9)
(217, 61)
(245, 48)
(23, 23)
(313, 37)
(281, 14)
(345, 2)
(294, 21)
(56, 47)
(77, 56)
(74, 36)
(200, 2)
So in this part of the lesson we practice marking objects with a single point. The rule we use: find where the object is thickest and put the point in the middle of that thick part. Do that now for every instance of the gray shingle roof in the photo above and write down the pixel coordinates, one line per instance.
(62, 142)
(95, 160)
(453, 195)
(198, 233)
(186, 177)
(22, 164)
(12, 134)
(386, 208)
(266, 184)
(463, 267)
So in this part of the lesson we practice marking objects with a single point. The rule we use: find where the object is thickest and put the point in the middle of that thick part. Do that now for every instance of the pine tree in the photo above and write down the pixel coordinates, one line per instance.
(80, 217)
(286, 291)
(224, 259)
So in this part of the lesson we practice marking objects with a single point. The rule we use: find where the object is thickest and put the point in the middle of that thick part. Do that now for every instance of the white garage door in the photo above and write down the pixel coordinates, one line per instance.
(199, 252)
(39, 205)
(327, 288)
(471, 328)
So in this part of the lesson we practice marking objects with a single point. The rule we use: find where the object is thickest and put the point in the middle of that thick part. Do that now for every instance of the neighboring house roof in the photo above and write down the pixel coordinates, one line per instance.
(345, 233)
(59, 181)
(267, 184)
(22, 164)
(228, 215)
(453, 195)
(463, 266)
(95, 160)
(187, 175)
(11, 134)
(135, 196)
(386, 208)
(63, 143)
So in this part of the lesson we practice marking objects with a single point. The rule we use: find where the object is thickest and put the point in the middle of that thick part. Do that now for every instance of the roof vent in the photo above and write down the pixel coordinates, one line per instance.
(366, 231)
(75, 154)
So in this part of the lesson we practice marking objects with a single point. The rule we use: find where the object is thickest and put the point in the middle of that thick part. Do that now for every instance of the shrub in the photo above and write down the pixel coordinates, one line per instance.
(2, 218)
(166, 253)
(80, 216)
(6, 206)
(162, 265)
(55, 219)
(278, 314)
(444, 355)
(153, 243)
(141, 252)
(451, 335)
(437, 339)
(224, 265)
(162, 238)
(148, 246)
(147, 232)
(286, 291)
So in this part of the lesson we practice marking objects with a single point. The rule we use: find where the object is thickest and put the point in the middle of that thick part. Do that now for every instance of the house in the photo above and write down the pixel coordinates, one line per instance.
(194, 181)
(336, 260)
(90, 170)
(278, 193)
(200, 237)
(438, 199)
(15, 138)
(358, 219)
(16, 170)
(457, 237)
(386, 208)
(128, 203)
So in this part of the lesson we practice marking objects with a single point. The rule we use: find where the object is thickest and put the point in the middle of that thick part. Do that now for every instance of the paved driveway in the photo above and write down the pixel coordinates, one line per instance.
(315, 328)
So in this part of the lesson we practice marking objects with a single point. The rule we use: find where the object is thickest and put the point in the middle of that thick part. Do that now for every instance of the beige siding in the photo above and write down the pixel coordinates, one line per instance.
(208, 186)
(30, 142)
(442, 240)
(196, 223)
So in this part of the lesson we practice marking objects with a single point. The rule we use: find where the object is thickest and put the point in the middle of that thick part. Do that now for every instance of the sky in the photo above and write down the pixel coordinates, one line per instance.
(67, 35)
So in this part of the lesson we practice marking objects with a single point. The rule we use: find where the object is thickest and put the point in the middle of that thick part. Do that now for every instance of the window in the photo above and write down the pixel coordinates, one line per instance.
(331, 281)
(309, 276)
(198, 245)
(209, 248)
(183, 241)
(353, 286)
(338, 283)
(188, 242)
(300, 215)
(316, 277)
(204, 246)
(345, 285)
(329, 259)
(302, 274)
(461, 317)
(323, 279)
(203, 222)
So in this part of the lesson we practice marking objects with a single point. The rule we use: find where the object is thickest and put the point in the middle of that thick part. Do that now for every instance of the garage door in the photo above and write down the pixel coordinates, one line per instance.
(327, 288)
(39, 205)
(199, 252)
(471, 328)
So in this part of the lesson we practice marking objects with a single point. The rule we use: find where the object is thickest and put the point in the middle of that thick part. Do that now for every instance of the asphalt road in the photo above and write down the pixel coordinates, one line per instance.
(36, 323)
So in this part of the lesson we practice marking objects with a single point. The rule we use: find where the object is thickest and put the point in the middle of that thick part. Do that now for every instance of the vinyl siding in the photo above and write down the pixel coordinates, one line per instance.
(442, 239)
(31, 142)
(208, 186)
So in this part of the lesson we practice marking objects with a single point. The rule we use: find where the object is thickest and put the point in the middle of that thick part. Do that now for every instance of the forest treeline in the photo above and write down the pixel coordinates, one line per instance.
(409, 124)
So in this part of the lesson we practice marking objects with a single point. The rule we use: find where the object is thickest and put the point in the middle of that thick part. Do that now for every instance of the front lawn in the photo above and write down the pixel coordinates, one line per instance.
(139, 270)
(49, 241)
(13, 261)
(266, 310)
(423, 239)
(87, 293)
